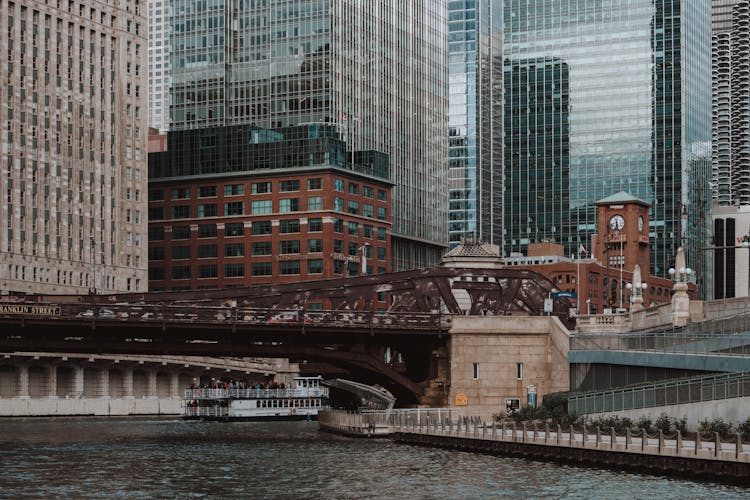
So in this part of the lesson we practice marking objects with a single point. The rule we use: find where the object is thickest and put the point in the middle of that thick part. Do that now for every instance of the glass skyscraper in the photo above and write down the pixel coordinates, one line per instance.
(475, 122)
(602, 97)
(376, 69)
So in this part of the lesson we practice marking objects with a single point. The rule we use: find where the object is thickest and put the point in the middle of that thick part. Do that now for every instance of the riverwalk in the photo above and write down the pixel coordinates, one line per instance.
(711, 458)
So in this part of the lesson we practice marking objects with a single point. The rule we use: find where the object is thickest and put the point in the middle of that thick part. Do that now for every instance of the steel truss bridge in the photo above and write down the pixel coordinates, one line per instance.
(396, 347)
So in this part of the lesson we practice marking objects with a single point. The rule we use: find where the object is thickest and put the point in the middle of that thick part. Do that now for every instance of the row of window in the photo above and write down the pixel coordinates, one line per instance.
(236, 270)
(284, 186)
(260, 228)
(263, 248)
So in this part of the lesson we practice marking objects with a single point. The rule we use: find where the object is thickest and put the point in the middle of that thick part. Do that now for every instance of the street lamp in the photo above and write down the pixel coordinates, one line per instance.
(681, 275)
(636, 292)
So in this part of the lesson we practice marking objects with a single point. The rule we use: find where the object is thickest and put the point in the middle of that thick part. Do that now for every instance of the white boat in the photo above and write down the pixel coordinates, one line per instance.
(303, 400)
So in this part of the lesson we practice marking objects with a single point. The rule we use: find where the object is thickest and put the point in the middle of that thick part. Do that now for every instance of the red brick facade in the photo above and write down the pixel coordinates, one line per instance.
(251, 229)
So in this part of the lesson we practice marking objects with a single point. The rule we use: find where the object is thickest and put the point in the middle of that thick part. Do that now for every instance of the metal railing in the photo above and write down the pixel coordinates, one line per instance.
(671, 392)
(730, 344)
(252, 393)
(206, 411)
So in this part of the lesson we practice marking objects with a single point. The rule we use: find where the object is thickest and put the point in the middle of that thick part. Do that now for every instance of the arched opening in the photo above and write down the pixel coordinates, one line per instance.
(8, 382)
(39, 381)
(140, 384)
(92, 387)
(66, 382)
(163, 385)
(116, 384)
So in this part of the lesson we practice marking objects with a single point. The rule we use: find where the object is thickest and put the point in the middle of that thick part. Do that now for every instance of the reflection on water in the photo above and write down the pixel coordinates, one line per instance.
(173, 458)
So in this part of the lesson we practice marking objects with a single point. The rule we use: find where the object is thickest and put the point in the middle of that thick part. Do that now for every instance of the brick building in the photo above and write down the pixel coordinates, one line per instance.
(237, 206)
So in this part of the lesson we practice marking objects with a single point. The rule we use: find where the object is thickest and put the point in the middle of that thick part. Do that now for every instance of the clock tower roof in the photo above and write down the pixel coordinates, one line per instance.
(620, 198)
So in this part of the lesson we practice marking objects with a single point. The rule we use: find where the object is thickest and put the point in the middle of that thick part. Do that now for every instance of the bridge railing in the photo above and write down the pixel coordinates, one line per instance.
(670, 392)
(732, 344)
(199, 314)
(252, 393)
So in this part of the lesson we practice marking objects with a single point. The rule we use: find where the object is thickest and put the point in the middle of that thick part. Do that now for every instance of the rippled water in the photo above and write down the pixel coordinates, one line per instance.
(137, 458)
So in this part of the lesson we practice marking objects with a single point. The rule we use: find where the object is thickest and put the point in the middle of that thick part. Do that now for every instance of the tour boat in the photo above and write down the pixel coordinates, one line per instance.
(303, 400)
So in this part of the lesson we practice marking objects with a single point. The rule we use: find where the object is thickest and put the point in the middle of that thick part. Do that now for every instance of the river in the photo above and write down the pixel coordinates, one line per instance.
(168, 458)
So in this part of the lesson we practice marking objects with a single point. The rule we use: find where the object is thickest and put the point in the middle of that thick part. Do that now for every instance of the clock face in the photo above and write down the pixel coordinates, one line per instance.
(617, 222)
(640, 224)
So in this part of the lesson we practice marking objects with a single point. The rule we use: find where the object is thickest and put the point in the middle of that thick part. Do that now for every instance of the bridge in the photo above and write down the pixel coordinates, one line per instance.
(388, 329)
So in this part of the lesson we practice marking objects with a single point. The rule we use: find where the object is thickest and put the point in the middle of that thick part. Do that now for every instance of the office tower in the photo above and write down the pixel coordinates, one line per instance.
(159, 73)
(731, 146)
(602, 98)
(73, 128)
(376, 69)
(475, 123)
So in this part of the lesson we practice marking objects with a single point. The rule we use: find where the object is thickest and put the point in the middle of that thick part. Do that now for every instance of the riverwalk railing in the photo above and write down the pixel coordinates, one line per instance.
(380, 422)
(730, 344)
(670, 392)
(632, 442)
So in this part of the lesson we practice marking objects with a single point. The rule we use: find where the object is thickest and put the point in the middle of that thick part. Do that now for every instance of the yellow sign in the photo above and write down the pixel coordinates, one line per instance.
(461, 400)
(27, 310)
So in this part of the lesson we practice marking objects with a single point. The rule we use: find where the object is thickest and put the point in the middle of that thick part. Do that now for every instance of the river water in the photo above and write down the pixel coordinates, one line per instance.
(164, 458)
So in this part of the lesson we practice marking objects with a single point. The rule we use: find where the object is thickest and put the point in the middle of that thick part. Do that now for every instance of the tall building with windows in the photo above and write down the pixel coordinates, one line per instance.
(159, 72)
(475, 122)
(375, 69)
(605, 97)
(73, 160)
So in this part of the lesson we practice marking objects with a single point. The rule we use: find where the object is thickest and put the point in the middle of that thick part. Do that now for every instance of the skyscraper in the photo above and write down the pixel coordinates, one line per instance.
(602, 97)
(73, 131)
(374, 68)
(475, 122)
(159, 73)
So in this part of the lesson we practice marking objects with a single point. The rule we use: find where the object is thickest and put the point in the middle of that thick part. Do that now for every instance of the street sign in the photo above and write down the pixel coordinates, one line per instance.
(572, 295)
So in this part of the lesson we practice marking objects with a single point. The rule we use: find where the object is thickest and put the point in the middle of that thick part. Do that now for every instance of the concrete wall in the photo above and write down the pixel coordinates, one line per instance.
(497, 344)
(17, 407)
(733, 410)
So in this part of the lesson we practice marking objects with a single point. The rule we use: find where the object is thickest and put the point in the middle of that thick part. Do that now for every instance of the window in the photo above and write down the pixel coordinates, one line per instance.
(315, 203)
(234, 189)
(261, 188)
(338, 204)
(314, 225)
(353, 207)
(367, 231)
(207, 271)
(156, 195)
(263, 227)
(207, 251)
(338, 185)
(181, 212)
(289, 267)
(367, 210)
(338, 226)
(338, 246)
(206, 191)
(234, 250)
(286, 186)
(381, 253)
(234, 229)
(155, 213)
(234, 270)
(181, 273)
(156, 273)
(155, 233)
(381, 213)
(289, 226)
(353, 228)
(315, 266)
(368, 192)
(234, 208)
(314, 184)
(180, 232)
(181, 252)
(207, 210)
(207, 231)
(353, 188)
(382, 195)
(519, 371)
(180, 193)
(381, 233)
(261, 248)
(475, 370)
(262, 207)
(262, 269)
(289, 205)
(289, 246)
(156, 253)
(314, 246)
(353, 248)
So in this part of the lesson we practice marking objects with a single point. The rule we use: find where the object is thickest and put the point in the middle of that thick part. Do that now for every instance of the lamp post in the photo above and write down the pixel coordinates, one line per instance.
(680, 301)
(636, 294)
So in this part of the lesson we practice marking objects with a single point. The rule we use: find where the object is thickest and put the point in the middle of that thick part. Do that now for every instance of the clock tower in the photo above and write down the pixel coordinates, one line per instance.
(622, 229)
